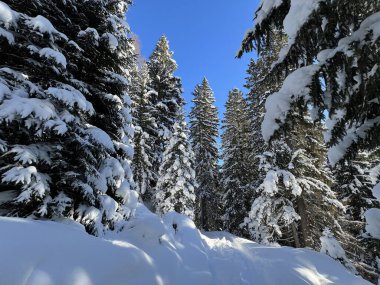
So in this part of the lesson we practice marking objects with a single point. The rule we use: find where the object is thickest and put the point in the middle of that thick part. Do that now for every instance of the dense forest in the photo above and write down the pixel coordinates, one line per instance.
(89, 130)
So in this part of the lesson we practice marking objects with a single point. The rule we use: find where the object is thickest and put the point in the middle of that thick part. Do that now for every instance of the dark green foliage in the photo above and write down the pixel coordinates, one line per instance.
(236, 172)
(67, 63)
(203, 134)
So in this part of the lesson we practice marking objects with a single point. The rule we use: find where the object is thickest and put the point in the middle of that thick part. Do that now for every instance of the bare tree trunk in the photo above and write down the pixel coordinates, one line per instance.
(295, 235)
(304, 222)
(203, 214)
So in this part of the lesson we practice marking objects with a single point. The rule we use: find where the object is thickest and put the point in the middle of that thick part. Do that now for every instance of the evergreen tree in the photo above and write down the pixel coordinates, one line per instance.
(333, 49)
(334, 53)
(167, 99)
(64, 113)
(203, 134)
(355, 182)
(261, 84)
(176, 184)
(236, 176)
(295, 203)
(145, 131)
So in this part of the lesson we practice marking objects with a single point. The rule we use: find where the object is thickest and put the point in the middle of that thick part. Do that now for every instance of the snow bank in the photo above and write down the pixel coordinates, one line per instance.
(151, 251)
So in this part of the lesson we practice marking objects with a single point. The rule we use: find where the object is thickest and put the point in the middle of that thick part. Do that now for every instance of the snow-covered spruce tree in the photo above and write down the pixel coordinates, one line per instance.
(355, 183)
(176, 184)
(145, 132)
(334, 51)
(236, 171)
(64, 114)
(203, 133)
(167, 100)
(336, 41)
(294, 204)
(261, 84)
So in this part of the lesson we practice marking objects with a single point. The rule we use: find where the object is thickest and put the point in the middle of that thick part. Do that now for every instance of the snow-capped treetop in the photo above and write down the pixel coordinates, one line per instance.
(176, 183)
(203, 133)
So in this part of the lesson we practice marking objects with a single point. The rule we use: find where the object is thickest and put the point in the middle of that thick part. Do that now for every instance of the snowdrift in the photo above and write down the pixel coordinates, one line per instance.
(152, 251)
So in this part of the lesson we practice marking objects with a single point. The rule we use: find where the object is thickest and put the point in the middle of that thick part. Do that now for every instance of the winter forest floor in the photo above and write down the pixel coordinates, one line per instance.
(151, 252)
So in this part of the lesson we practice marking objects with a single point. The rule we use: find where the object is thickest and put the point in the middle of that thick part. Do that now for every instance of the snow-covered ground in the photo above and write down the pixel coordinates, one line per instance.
(151, 251)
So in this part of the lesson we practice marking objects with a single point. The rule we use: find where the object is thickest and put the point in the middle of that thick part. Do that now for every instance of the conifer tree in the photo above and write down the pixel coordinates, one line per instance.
(236, 172)
(294, 203)
(203, 134)
(167, 99)
(176, 184)
(64, 113)
(334, 53)
(261, 84)
(145, 132)
(334, 48)
(355, 181)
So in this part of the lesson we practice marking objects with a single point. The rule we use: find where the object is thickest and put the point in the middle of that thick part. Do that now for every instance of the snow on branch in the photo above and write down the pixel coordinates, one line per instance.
(278, 105)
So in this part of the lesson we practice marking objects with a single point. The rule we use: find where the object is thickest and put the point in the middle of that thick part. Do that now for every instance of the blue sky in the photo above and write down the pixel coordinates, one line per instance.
(204, 35)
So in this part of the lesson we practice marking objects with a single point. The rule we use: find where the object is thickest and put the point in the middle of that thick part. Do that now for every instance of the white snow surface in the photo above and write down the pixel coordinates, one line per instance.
(372, 217)
(112, 41)
(150, 251)
(298, 15)
(9, 36)
(72, 98)
(100, 137)
(8, 17)
(43, 25)
(266, 6)
(353, 134)
(376, 191)
(55, 55)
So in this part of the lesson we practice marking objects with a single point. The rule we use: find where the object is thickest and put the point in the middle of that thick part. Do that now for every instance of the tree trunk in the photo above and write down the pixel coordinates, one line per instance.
(295, 235)
(304, 222)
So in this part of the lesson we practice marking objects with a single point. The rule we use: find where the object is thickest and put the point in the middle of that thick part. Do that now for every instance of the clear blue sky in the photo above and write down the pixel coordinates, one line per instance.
(204, 35)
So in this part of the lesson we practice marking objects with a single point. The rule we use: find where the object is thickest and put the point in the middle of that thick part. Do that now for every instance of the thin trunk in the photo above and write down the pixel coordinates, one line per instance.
(304, 222)
(295, 235)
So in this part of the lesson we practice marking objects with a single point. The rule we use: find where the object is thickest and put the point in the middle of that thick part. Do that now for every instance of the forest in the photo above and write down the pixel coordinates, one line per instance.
(95, 138)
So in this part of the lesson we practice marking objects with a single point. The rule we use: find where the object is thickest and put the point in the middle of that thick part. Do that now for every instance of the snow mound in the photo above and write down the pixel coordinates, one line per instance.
(150, 250)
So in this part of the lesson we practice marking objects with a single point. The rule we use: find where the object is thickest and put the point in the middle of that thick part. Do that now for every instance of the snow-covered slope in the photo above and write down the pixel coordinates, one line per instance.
(152, 251)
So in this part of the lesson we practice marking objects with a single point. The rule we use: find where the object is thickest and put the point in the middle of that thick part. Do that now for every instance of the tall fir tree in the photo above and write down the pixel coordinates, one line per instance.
(260, 85)
(295, 181)
(64, 113)
(167, 100)
(203, 134)
(294, 204)
(176, 185)
(334, 53)
(236, 171)
(145, 132)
